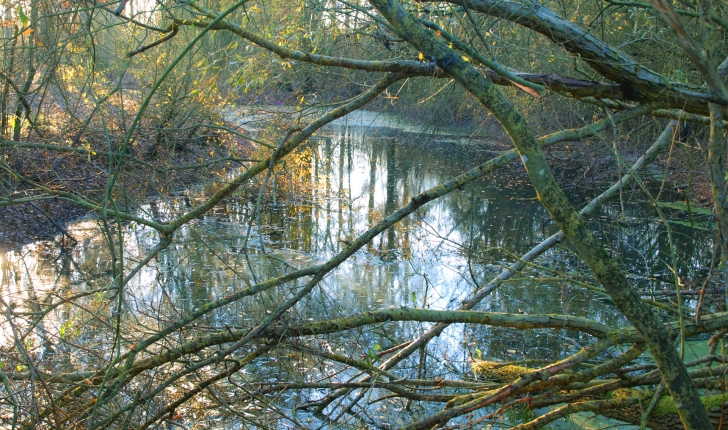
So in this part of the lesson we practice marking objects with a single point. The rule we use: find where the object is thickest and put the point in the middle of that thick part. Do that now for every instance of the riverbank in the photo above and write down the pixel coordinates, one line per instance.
(588, 165)
(84, 173)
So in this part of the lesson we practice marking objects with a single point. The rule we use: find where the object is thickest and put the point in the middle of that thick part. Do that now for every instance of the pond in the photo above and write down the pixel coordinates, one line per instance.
(346, 180)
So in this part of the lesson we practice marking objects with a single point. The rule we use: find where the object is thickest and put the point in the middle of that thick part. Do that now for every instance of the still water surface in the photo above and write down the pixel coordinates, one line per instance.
(348, 179)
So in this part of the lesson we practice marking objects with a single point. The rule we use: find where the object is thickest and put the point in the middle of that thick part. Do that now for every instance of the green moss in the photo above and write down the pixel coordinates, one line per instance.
(498, 371)
(665, 406)
(623, 394)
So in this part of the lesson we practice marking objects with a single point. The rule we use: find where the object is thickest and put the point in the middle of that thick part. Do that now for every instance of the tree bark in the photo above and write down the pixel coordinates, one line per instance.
(605, 268)
(637, 82)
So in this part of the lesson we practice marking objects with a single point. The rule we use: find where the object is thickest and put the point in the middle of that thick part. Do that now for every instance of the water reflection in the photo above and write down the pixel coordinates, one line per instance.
(349, 179)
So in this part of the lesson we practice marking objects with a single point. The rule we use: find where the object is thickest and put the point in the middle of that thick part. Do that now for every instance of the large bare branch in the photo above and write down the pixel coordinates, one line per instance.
(637, 82)
(605, 268)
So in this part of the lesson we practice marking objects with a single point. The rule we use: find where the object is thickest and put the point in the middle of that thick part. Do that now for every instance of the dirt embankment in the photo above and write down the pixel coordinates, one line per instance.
(44, 172)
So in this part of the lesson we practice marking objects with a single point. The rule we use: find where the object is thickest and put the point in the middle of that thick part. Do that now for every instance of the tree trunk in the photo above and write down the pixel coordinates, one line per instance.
(605, 268)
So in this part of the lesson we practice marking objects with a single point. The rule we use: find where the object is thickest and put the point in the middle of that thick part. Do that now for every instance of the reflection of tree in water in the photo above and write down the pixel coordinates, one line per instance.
(491, 218)
(372, 184)
(497, 212)
(644, 247)
(426, 261)
(391, 191)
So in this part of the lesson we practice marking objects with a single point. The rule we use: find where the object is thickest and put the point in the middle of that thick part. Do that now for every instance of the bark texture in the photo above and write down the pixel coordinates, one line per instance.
(605, 268)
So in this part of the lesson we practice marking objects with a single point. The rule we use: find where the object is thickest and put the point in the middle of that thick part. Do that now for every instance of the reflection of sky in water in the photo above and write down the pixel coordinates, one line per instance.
(358, 176)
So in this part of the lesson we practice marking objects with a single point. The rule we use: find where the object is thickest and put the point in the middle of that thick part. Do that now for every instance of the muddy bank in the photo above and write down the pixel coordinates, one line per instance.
(86, 176)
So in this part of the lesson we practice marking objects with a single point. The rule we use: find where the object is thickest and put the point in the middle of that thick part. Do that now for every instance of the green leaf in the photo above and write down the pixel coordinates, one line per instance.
(65, 327)
(372, 355)
(23, 17)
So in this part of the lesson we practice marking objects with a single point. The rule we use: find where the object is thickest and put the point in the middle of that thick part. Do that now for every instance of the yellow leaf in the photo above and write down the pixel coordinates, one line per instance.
(466, 58)
(421, 57)
(301, 101)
